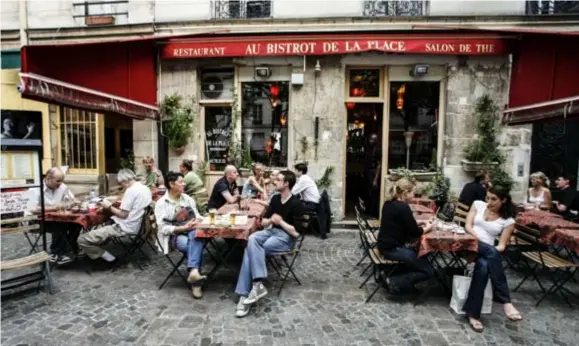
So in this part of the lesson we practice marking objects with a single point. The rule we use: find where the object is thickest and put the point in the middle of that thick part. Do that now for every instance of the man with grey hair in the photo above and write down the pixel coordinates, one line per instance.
(126, 219)
(56, 196)
(225, 189)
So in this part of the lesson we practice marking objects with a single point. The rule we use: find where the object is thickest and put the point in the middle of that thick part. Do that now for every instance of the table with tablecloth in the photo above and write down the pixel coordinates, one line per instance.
(554, 228)
(446, 241)
(254, 209)
(569, 238)
(420, 209)
(87, 220)
(427, 202)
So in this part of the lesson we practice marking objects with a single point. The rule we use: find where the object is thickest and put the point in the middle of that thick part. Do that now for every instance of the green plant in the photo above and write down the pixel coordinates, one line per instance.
(235, 150)
(485, 147)
(246, 158)
(325, 181)
(128, 161)
(502, 178)
(404, 173)
(304, 145)
(202, 169)
(439, 187)
(177, 120)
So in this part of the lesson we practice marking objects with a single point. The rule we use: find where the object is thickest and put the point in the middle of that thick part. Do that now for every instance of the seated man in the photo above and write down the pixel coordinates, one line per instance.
(568, 199)
(306, 188)
(225, 189)
(152, 175)
(283, 212)
(176, 214)
(126, 219)
(475, 190)
(56, 196)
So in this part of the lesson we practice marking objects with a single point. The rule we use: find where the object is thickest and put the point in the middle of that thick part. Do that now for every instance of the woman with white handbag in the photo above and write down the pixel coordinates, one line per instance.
(487, 222)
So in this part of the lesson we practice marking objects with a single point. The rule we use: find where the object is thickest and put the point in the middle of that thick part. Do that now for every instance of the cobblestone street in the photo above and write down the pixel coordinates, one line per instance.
(127, 308)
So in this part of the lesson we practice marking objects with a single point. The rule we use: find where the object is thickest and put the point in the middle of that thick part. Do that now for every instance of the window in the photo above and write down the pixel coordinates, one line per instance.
(379, 8)
(413, 125)
(217, 136)
(230, 9)
(264, 121)
(78, 139)
(364, 83)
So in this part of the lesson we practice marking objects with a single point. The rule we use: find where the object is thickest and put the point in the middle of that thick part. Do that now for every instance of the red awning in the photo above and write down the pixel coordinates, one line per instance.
(50, 90)
(307, 44)
(560, 109)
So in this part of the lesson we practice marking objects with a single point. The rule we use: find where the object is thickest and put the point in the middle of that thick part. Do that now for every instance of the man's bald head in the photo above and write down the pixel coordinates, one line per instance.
(230, 173)
(54, 178)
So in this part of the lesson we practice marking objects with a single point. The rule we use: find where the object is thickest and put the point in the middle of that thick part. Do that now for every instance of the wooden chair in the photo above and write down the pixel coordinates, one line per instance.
(537, 258)
(36, 259)
(460, 214)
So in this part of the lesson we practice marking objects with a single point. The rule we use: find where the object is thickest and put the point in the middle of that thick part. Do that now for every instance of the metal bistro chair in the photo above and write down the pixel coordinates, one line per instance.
(136, 241)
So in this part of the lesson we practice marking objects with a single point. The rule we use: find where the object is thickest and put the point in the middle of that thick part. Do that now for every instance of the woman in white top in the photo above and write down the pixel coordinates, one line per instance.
(539, 193)
(487, 222)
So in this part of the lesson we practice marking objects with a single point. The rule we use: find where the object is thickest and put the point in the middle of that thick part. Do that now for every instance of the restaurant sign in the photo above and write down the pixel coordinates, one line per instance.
(260, 46)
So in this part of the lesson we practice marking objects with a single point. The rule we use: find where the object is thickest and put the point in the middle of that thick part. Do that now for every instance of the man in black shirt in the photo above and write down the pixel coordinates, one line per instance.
(475, 190)
(225, 189)
(568, 197)
(282, 215)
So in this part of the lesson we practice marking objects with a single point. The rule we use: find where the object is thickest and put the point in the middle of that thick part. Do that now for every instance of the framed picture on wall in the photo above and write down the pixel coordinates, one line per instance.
(20, 126)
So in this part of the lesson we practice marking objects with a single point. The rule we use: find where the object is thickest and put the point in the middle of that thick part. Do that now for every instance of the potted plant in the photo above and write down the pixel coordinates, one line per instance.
(438, 189)
(415, 175)
(177, 122)
(482, 152)
(325, 181)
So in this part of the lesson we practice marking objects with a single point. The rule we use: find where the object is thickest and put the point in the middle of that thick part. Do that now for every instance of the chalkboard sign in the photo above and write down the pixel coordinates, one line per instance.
(217, 136)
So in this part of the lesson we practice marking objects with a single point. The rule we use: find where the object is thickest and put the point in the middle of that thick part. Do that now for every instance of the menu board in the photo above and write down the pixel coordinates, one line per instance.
(17, 201)
(19, 169)
(217, 136)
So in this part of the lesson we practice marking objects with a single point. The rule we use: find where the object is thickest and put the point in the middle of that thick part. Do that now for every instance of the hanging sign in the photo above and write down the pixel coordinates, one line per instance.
(311, 45)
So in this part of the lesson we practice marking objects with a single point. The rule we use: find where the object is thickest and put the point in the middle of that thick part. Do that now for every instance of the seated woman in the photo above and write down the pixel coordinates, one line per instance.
(255, 183)
(270, 186)
(398, 227)
(176, 215)
(487, 221)
(539, 193)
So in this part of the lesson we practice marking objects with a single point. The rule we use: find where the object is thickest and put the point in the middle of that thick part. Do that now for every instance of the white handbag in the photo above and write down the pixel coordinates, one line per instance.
(460, 287)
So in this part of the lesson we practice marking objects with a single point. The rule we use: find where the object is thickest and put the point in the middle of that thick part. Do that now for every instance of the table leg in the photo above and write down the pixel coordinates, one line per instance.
(220, 258)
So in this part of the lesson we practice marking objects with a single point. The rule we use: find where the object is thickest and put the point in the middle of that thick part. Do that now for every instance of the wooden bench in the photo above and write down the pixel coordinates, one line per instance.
(23, 262)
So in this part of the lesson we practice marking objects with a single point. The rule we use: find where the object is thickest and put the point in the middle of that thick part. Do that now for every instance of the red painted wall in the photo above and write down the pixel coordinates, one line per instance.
(546, 67)
(125, 69)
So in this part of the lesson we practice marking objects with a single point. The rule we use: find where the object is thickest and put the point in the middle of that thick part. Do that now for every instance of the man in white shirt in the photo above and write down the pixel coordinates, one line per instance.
(127, 218)
(306, 188)
(56, 196)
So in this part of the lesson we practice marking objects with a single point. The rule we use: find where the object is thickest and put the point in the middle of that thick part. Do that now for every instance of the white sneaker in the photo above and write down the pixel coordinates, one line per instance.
(197, 292)
(257, 292)
(63, 259)
(242, 309)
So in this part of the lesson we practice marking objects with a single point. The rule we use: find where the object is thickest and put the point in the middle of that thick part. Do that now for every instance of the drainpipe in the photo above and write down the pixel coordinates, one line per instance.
(23, 20)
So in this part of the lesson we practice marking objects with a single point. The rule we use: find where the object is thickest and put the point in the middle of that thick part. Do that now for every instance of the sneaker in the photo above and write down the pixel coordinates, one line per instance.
(63, 259)
(242, 309)
(194, 276)
(197, 292)
(53, 258)
(257, 292)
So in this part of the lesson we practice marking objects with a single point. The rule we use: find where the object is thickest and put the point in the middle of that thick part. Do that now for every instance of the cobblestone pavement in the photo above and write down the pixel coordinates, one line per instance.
(126, 308)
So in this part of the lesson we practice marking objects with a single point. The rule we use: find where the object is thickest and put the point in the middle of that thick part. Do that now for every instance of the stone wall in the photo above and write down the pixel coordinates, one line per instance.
(464, 86)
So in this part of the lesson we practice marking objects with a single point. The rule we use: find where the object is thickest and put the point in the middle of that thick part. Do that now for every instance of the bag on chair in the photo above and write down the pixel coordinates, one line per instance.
(460, 287)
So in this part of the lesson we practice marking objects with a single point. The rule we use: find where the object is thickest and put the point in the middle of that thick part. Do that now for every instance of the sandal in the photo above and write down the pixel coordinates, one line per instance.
(476, 325)
(514, 315)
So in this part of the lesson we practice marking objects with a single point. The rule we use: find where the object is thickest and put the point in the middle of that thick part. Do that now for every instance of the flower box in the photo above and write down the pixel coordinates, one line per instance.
(470, 166)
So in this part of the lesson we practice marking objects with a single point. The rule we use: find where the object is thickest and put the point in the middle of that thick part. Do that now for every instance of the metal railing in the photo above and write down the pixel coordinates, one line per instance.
(552, 7)
(101, 8)
(241, 9)
(408, 8)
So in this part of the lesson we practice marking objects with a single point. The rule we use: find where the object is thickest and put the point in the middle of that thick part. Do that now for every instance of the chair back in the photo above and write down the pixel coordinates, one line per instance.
(148, 228)
(460, 213)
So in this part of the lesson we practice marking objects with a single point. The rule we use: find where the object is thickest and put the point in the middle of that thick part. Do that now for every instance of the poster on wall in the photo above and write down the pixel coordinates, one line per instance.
(19, 169)
(20, 127)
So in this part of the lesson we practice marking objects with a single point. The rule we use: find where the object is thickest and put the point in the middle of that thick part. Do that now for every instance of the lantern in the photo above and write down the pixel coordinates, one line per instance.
(274, 90)
(350, 105)
(400, 99)
(356, 92)
(283, 119)
(268, 146)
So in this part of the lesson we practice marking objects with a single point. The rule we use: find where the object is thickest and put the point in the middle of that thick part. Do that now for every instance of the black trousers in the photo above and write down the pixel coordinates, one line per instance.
(64, 236)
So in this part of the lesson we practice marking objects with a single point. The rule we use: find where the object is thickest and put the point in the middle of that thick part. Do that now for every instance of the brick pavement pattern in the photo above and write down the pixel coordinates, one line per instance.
(126, 308)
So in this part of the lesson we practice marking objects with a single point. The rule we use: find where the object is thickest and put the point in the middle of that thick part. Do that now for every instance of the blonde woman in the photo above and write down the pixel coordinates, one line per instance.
(398, 227)
(255, 183)
(539, 194)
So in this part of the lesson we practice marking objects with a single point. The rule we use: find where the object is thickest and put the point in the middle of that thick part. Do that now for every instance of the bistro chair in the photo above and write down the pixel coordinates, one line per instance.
(283, 262)
(538, 259)
(136, 241)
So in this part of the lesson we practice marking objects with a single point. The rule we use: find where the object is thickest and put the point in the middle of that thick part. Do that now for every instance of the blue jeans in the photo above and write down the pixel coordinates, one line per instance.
(419, 268)
(259, 245)
(489, 264)
(193, 247)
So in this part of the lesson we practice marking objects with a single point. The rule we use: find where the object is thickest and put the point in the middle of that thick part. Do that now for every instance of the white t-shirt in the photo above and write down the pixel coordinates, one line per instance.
(135, 200)
(306, 189)
(53, 197)
(488, 231)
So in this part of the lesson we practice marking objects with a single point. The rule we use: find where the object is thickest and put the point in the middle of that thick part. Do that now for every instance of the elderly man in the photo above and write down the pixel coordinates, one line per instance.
(225, 189)
(153, 176)
(56, 196)
(283, 215)
(126, 219)
(306, 188)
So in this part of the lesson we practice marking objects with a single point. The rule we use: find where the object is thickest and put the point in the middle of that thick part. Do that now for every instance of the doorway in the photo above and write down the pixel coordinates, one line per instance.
(118, 144)
(364, 156)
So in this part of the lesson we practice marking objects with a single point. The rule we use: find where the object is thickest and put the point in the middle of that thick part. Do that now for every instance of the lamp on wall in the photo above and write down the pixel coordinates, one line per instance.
(350, 105)
(274, 90)
(419, 70)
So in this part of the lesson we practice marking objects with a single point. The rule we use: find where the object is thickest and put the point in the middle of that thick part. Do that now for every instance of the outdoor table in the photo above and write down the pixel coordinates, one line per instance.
(87, 220)
(424, 216)
(420, 209)
(236, 232)
(427, 202)
(545, 222)
(255, 209)
(568, 238)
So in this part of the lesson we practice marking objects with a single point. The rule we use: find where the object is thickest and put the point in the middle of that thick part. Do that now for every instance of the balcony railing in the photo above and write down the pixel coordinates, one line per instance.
(552, 7)
(376, 8)
(239, 9)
